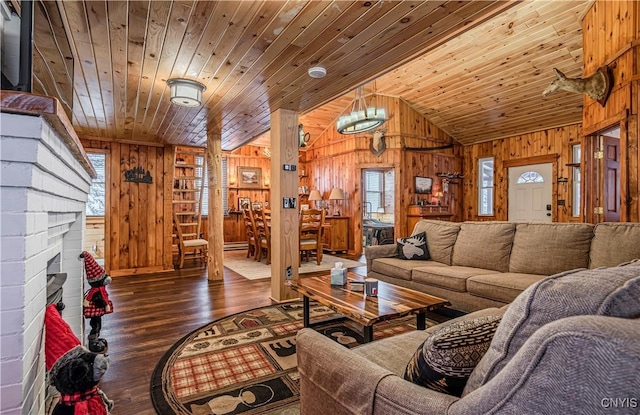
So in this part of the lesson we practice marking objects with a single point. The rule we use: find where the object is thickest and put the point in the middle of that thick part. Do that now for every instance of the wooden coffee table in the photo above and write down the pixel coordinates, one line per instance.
(392, 301)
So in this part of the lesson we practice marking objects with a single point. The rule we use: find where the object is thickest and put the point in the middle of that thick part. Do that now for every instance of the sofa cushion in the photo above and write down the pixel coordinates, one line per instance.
(504, 287)
(550, 248)
(413, 247)
(399, 268)
(614, 243)
(446, 358)
(453, 277)
(484, 245)
(602, 291)
(441, 235)
(394, 352)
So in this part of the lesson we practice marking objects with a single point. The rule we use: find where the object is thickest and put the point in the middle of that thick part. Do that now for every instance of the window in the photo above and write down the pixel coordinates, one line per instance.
(575, 184)
(530, 177)
(205, 181)
(97, 195)
(485, 186)
(373, 191)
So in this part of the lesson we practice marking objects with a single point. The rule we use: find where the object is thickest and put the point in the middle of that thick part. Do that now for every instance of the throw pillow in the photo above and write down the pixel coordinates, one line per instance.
(445, 360)
(413, 247)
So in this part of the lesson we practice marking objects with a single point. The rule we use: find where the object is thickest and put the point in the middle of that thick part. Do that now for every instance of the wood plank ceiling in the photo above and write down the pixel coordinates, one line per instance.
(476, 69)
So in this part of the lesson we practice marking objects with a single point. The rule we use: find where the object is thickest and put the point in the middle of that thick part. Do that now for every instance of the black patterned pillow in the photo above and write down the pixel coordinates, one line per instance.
(413, 247)
(445, 360)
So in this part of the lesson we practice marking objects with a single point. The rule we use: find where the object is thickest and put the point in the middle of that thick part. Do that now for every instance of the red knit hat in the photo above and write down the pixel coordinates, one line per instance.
(94, 271)
(58, 338)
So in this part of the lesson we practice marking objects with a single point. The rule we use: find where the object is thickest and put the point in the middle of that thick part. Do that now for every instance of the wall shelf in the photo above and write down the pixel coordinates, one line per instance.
(249, 188)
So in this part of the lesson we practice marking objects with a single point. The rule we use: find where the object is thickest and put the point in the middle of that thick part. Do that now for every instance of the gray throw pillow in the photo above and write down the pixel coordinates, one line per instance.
(445, 360)
(600, 292)
(413, 247)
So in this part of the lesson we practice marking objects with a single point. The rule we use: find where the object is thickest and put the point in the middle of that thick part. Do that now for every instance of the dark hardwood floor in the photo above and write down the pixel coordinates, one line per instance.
(152, 312)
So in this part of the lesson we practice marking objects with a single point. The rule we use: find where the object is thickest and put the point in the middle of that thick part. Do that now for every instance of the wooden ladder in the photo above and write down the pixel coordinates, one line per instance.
(188, 192)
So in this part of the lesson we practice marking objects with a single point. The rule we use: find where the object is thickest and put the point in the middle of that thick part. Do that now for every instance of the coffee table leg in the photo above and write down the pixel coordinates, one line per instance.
(305, 310)
(368, 334)
(421, 321)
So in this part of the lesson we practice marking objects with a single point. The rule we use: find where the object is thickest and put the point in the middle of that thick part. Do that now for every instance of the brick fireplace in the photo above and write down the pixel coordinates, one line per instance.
(44, 181)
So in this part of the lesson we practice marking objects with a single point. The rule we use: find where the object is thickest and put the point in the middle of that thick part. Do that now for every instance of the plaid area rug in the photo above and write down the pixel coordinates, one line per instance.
(246, 363)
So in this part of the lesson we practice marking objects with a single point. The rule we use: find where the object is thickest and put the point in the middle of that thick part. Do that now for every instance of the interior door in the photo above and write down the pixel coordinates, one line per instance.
(530, 193)
(611, 180)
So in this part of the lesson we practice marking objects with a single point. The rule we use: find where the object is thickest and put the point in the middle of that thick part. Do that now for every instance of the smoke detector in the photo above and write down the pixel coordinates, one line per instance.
(317, 72)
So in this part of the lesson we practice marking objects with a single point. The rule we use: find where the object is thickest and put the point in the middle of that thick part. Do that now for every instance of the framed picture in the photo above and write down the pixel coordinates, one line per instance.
(423, 185)
(244, 203)
(249, 177)
(256, 206)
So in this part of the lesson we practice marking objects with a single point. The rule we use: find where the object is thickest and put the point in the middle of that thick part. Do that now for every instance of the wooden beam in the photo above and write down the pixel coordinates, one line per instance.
(525, 161)
(285, 249)
(215, 267)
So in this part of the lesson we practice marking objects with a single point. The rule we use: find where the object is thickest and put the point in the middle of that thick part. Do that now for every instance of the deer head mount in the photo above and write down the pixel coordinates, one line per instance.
(377, 144)
(597, 86)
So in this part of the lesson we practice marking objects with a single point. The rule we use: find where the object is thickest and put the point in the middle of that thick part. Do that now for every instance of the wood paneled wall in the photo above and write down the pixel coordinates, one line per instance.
(553, 145)
(137, 225)
(611, 37)
(336, 160)
(246, 156)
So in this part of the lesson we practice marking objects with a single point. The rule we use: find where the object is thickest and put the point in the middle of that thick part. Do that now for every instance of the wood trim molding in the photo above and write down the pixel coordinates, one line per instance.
(548, 158)
(607, 122)
(115, 140)
(51, 110)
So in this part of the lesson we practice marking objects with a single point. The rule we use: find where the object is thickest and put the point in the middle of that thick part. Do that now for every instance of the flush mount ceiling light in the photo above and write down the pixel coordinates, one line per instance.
(317, 72)
(361, 118)
(186, 92)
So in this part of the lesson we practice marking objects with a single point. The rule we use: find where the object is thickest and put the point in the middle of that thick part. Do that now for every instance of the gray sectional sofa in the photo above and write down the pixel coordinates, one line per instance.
(569, 344)
(476, 265)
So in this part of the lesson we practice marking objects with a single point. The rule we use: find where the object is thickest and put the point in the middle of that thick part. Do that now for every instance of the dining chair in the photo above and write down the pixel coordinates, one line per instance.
(250, 232)
(200, 247)
(263, 234)
(311, 222)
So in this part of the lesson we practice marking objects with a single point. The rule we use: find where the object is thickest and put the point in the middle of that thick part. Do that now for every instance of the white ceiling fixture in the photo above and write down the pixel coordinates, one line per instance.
(186, 92)
(361, 118)
(317, 72)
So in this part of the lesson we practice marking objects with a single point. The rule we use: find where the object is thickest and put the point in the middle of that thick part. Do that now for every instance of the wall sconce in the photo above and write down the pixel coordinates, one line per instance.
(336, 194)
(186, 92)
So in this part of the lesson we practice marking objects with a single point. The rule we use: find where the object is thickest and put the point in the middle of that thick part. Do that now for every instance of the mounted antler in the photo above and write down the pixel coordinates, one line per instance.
(597, 86)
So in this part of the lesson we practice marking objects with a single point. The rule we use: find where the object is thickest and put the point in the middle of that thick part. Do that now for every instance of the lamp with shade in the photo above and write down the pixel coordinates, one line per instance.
(336, 194)
(315, 196)
(439, 196)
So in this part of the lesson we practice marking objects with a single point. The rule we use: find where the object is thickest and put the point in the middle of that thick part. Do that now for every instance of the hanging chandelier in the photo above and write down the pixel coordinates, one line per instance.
(361, 118)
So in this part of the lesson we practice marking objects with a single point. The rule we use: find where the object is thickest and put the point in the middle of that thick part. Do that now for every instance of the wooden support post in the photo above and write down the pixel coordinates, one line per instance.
(215, 267)
(284, 229)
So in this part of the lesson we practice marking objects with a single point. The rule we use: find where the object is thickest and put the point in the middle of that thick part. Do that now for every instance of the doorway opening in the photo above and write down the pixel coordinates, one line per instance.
(607, 169)
(378, 206)
(95, 211)
(530, 193)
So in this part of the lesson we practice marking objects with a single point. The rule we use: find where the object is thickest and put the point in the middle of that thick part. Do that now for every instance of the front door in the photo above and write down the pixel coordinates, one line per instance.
(530, 193)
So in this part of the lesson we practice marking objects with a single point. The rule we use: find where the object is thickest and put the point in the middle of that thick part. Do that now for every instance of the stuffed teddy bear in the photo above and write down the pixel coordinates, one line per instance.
(73, 370)
(96, 300)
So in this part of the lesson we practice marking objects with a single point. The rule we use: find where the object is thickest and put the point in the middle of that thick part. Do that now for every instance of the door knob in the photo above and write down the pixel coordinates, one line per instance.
(548, 214)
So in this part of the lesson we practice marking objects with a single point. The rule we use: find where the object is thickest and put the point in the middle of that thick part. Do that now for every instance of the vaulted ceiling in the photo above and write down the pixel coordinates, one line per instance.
(476, 69)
